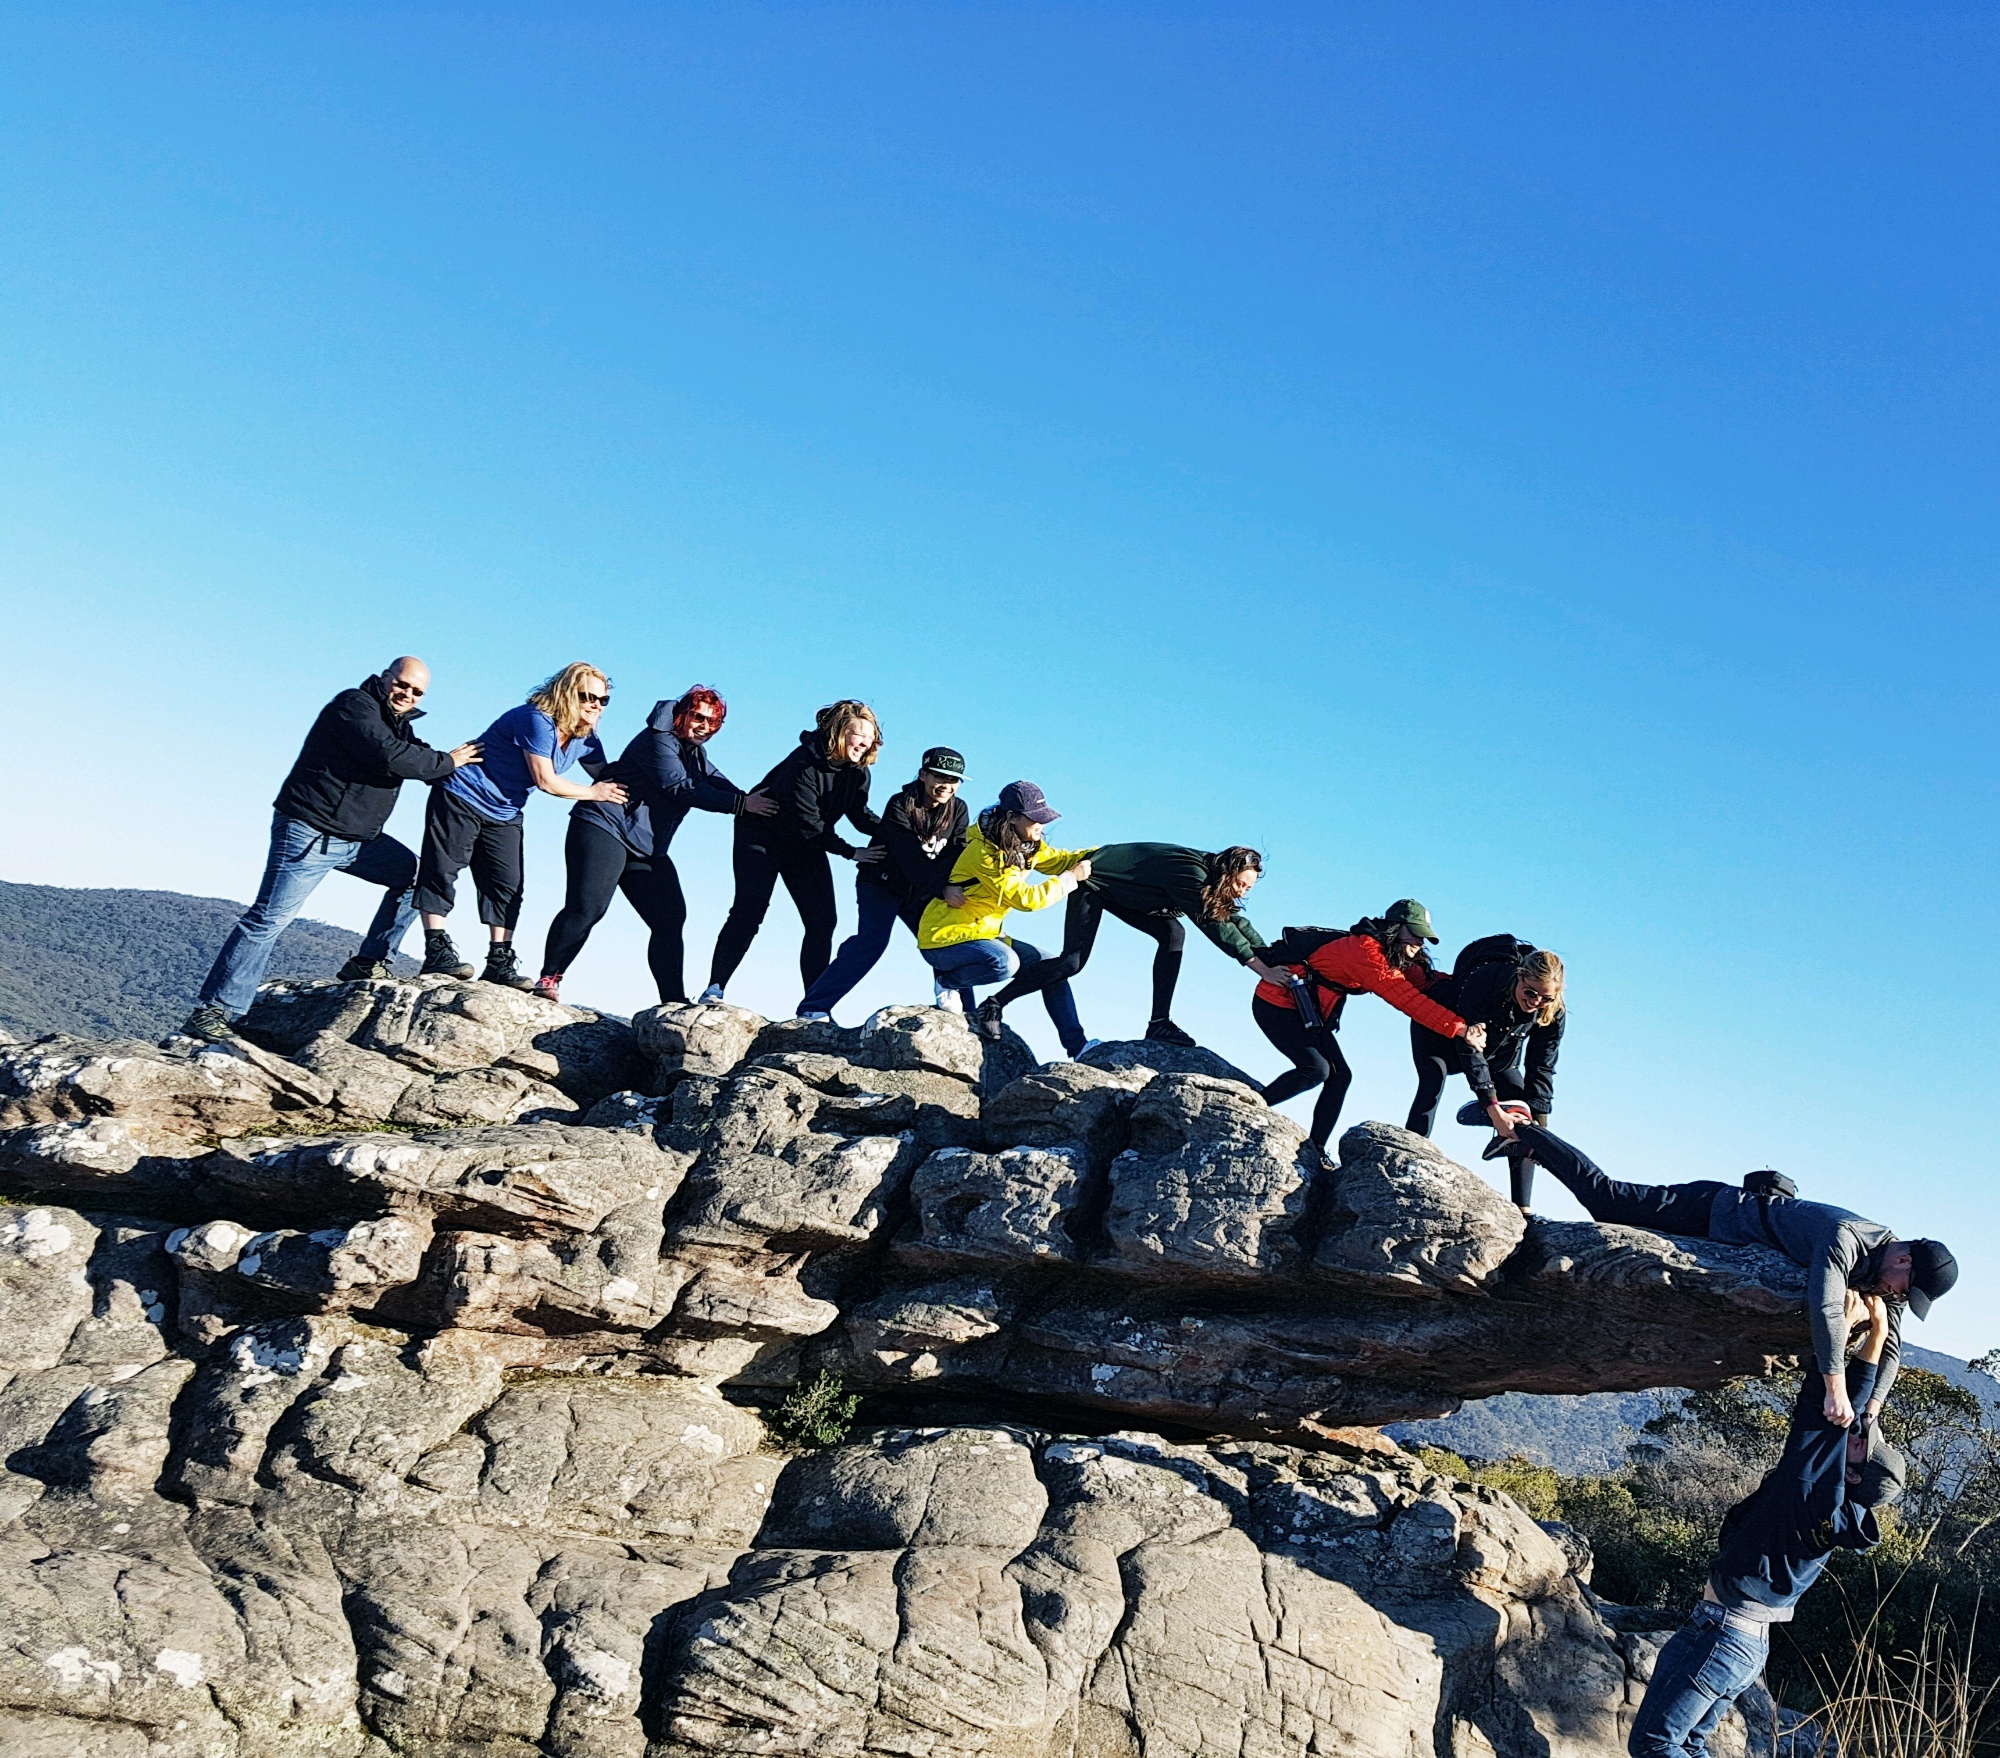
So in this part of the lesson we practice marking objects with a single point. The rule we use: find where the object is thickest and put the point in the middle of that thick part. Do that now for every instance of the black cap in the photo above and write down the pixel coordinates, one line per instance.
(1933, 1271)
(943, 760)
(1029, 800)
(1883, 1472)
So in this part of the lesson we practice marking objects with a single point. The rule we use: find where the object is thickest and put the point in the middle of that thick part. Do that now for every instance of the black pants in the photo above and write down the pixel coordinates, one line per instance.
(807, 877)
(599, 864)
(1086, 910)
(1316, 1062)
(457, 837)
(1437, 1059)
(1659, 1208)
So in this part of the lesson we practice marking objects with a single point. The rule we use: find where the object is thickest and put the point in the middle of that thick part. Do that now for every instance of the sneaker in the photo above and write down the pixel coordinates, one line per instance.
(1089, 1044)
(986, 1019)
(441, 958)
(1164, 1031)
(1473, 1114)
(710, 997)
(949, 999)
(549, 985)
(816, 1017)
(503, 968)
(362, 970)
(1502, 1147)
(209, 1023)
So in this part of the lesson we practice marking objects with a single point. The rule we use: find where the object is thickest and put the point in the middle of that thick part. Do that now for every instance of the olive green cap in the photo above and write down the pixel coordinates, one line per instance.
(1406, 912)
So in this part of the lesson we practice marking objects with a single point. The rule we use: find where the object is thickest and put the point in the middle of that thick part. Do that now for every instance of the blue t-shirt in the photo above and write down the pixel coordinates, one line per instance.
(498, 785)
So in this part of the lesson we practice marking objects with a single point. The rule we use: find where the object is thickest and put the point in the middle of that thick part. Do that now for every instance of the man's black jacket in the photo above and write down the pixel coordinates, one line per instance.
(354, 760)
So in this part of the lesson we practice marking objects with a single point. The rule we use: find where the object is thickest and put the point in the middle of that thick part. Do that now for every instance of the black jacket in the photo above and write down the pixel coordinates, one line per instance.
(911, 875)
(1484, 996)
(813, 795)
(353, 763)
(665, 778)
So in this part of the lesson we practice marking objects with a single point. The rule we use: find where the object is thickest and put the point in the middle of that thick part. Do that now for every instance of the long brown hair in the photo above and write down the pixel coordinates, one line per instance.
(834, 722)
(1000, 830)
(557, 698)
(1389, 936)
(1233, 860)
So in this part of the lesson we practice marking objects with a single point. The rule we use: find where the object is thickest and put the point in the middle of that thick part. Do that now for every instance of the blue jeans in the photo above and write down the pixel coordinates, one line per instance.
(877, 909)
(973, 962)
(300, 858)
(1709, 1662)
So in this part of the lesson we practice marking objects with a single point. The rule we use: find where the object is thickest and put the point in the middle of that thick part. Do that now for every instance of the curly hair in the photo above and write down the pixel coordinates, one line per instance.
(558, 697)
(836, 719)
(1545, 971)
(698, 696)
(1226, 865)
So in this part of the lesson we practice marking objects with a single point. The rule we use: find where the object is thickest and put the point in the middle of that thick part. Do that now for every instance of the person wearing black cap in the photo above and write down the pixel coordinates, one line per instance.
(1841, 1252)
(1151, 886)
(1821, 1496)
(922, 834)
(995, 873)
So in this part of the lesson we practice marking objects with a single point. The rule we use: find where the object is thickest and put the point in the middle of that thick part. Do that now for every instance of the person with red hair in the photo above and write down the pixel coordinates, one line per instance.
(666, 774)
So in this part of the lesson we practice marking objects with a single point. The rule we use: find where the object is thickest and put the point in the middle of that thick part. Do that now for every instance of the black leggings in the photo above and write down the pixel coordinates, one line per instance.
(1316, 1062)
(810, 881)
(1086, 910)
(599, 864)
(1437, 1059)
(1659, 1208)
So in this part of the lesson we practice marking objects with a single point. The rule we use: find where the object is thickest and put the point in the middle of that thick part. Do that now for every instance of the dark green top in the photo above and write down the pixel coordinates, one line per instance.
(1164, 879)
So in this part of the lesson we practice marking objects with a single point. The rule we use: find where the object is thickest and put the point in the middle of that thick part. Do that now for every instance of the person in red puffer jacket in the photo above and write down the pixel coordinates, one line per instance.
(1383, 956)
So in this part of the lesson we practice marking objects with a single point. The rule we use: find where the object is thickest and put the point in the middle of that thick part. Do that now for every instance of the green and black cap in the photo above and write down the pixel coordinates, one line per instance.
(1406, 912)
(943, 760)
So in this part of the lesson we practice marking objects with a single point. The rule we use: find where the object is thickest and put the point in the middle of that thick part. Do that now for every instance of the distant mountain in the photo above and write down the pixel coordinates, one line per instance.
(1588, 1436)
(126, 964)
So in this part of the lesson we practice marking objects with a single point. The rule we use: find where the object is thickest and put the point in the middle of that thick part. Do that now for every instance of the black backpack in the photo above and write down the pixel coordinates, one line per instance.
(1493, 949)
(1296, 945)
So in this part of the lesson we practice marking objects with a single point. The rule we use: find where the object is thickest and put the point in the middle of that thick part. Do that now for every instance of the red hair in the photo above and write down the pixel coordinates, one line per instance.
(698, 696)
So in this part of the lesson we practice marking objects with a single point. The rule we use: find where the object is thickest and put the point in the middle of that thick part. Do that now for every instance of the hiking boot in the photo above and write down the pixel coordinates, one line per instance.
(503, 968)
(1164, 1031)
(362, 970)
(1503, 1147)
(441, 957)
(548, 985)
(710, 997)
(986, 1019)
(209, 1023)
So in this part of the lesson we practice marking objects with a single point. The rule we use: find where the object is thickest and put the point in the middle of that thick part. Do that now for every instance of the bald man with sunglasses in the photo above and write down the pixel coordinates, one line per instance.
(328, 818)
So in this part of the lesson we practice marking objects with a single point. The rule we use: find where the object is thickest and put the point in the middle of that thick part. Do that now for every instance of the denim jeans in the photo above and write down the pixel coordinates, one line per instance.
(974, 962)
(1709, 1662)
(300, 858)
(876, 908)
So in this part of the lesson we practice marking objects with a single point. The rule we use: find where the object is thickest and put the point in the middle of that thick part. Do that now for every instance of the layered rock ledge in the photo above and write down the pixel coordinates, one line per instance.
(391, 1384)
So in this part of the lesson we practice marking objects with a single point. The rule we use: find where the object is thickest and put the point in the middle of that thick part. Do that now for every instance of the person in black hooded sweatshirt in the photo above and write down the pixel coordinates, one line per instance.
(819, 784)
(615, 847)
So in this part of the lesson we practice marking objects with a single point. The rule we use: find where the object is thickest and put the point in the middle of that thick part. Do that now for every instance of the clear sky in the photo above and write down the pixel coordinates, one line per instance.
(1540, 459)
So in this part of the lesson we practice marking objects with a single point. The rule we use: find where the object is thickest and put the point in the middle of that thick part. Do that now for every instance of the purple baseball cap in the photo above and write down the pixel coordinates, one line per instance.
(1029, 800)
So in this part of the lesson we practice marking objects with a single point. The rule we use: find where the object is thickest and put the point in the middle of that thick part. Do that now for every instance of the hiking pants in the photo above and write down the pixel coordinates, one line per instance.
(1087, 909)
(600, 864)
(876, 909)
(1659, 1208)
(807, 877)
(1316, 1061)
(457, 837)
(299, 858)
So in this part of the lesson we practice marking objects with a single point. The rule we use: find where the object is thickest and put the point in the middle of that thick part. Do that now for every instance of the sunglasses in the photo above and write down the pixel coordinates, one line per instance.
(593, 701)
(398, 688)
(1533, 997)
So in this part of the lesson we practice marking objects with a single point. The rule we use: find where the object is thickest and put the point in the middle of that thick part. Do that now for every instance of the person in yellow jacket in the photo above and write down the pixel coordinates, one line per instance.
(996, 873)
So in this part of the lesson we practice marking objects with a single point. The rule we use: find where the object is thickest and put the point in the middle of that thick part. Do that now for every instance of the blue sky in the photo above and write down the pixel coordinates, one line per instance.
(1538, 459)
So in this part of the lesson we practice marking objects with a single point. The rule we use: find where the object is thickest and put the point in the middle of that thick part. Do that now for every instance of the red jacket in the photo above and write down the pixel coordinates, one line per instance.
(1354, 965)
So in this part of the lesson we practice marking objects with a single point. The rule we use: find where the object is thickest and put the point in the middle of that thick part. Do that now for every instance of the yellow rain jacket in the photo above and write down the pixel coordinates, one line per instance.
(992, 888)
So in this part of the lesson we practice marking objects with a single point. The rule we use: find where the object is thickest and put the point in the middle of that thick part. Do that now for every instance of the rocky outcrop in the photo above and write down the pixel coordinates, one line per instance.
(393, 1385)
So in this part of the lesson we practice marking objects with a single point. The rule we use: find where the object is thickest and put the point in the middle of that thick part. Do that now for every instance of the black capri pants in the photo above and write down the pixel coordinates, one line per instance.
(1316, 1062)
(1087, 909)
(600, 864)
(457, 837)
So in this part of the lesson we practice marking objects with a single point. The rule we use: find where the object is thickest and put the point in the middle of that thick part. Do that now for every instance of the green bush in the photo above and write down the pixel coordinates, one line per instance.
(818, 1414)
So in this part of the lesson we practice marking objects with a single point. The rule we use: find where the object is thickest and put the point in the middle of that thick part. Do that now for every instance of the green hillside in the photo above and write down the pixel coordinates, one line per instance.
(127, 963)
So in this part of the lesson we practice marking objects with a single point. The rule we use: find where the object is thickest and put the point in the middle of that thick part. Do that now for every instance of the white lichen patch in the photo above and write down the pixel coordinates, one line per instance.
(35, 1233)
(178, 1664)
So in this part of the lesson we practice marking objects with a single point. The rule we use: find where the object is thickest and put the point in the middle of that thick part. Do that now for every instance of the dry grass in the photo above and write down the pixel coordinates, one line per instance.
(1924, 1702)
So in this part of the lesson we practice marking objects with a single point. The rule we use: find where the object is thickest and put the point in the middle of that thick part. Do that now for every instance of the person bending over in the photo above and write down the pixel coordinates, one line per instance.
(922, 835)
(1821, 1496)
(328, 818)
(475, 817)
(666, 773)
(1840, 1252)
(823, 781)
(963, 943)
(1516, 992)
(1383, 956)
(1151, 886)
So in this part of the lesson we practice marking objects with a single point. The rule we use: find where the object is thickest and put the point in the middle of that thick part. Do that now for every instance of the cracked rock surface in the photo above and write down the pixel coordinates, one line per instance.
(392, 1385)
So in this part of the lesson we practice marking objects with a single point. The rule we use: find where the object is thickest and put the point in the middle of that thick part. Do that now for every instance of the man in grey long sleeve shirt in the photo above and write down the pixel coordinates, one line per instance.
(1836, 1249)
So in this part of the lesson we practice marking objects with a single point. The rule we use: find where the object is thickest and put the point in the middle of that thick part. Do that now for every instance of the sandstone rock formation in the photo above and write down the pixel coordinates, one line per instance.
(392, 1385)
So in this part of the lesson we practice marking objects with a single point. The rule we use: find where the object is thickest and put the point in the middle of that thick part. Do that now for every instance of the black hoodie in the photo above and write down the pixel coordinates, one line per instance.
(813, 795)
(911, 875)
(354, 762)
